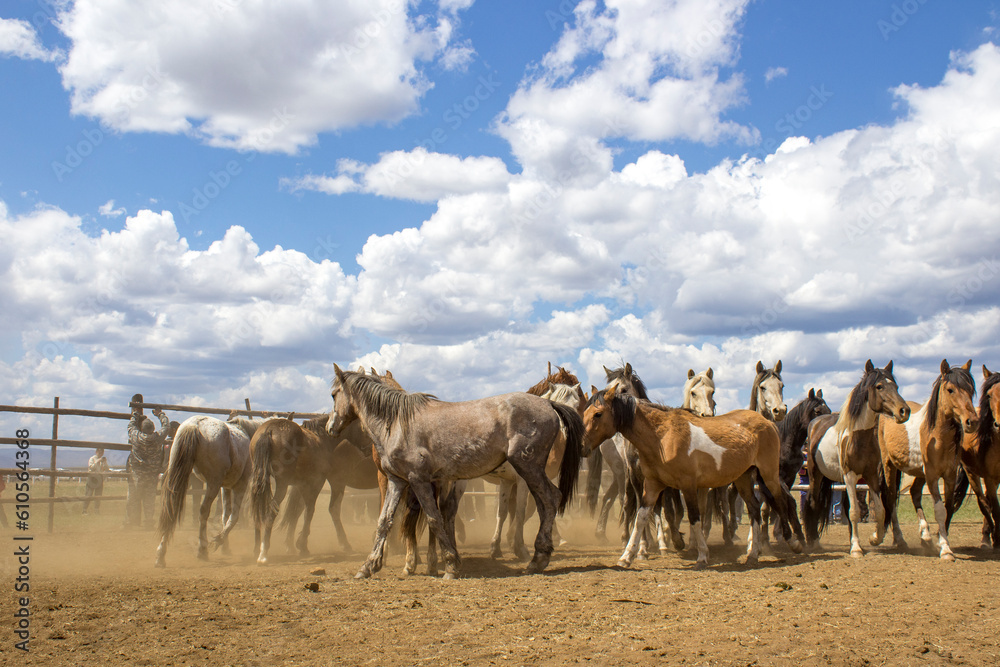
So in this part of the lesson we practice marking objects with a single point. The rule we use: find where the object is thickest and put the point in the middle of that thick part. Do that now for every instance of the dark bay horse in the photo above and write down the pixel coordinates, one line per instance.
(794, 432)
(981, 458)
(928, 448)
(424, 443)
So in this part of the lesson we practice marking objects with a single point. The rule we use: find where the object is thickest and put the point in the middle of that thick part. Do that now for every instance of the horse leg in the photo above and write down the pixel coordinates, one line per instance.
(424, 491)
(651, 491)
(994, 506)
(917, 495)
(875, 507)
(695, 505)
(744, 485)
(602, 518)
(211, 491)
(411, 516)
(503, 501)
(941, 513)
(673, 512)
(784, 507)
(336, 509)
(892, 482)
(517, 524)
(280, 488)
(309, 494)
(851, 482)
(707, 513)
(547, 498)
(732, 519)
(394, 492)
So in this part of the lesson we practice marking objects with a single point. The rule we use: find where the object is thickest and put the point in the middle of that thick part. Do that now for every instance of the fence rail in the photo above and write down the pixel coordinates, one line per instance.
(137, 403)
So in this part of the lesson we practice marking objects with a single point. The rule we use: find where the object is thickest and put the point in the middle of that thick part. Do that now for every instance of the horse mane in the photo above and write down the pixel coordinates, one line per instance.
(317, 425)
(956, 375)
(248, 426)
(562, 393)
(561, 376)
(383, 404)
(984, 434)
(791, 420)
(623, 408)
(857, 401)
(761, 377)
(629, 376)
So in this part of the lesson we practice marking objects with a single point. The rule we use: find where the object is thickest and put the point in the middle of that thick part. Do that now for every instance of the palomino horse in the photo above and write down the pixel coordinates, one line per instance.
(767, 399)
(843, 448)
(694, 454)
(981, 458)
(928, 447)
(794, 432)
(219, 453)
(423, 442)
(293, 455)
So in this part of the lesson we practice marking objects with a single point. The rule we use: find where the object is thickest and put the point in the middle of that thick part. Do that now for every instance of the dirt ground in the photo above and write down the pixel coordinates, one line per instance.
(96, 599)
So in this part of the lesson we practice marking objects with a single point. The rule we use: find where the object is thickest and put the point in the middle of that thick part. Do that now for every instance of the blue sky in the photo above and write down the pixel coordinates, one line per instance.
(206, 201)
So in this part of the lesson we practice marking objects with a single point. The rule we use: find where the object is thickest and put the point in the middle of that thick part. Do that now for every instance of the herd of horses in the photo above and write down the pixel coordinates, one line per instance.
(665, 461)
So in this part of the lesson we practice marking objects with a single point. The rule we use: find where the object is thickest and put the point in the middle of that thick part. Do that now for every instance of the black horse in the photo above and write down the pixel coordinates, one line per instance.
(794, 432)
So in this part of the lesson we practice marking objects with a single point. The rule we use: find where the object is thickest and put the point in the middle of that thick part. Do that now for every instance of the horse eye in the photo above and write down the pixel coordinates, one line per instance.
(878, 386)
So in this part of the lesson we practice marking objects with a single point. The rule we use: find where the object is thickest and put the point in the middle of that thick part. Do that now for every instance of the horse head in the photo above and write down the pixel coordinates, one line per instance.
(879, 387)
(952, 397)
(343, 412)
(766, 396)
(813, 406)
(989, 404)
(603, 416)
(699, 393)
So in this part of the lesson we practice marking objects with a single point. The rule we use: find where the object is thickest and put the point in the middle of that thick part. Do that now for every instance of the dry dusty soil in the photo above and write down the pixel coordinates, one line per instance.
(95, 599)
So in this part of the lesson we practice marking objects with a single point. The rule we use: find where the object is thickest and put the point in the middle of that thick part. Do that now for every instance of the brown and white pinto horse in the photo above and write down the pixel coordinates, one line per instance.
(928, 447)
(981, 458)
(694, 454)
(843, 447)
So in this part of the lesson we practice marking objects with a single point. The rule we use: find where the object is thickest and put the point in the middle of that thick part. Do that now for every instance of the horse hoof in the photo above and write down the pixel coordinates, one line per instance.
(496, 554)
(623, 563)
(202, 555)
(362, 574)
(857, 553)
(700, 565)
(450, 575)
(795, 545)
(160, 563)
(261, 561)
(948, 557)
(751, 561)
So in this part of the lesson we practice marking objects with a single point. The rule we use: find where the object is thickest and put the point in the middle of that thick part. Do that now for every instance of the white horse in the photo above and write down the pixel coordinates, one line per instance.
(219, 453)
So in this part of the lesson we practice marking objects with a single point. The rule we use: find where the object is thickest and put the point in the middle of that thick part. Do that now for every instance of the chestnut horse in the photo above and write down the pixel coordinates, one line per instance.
(981, 458)
(843, 447)
(693, 454)
(928, 448)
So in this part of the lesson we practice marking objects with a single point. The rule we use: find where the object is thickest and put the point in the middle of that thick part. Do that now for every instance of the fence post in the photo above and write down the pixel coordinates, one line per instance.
(52, 479)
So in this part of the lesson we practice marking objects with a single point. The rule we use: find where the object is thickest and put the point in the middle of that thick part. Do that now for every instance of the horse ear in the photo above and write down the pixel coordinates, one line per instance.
(690, 373)
(777, 367)
(628, 370)
(593, 390)
(388, 374)
(609, 393)
(607, 373)
(986, 372)
(819, 394)
(869, 366)
(361, 369)
(812, 393)
(967, 365)
(888, 367)
(709, 372)
(944, 366)
(339, 373)
(760, 367)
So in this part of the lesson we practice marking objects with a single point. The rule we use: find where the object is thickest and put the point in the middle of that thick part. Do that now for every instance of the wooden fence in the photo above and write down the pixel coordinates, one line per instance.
(55, 442)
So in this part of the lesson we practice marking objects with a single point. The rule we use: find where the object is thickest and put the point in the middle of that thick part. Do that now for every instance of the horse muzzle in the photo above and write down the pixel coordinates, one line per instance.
(902, 414)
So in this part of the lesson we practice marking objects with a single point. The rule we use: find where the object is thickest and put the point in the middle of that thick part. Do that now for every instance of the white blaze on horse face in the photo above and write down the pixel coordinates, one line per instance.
(913, 425)
(699, 441)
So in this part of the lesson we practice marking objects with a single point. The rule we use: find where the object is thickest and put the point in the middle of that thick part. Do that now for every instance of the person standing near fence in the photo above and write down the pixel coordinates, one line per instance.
(96, 467)
(145, 462)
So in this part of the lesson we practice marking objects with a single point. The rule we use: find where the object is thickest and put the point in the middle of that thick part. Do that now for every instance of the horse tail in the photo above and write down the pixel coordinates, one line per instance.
(766, 492)
(569, 469)
(595, 463)
(175, 481)
(293, 508)
(261, 499)
(961, 489)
